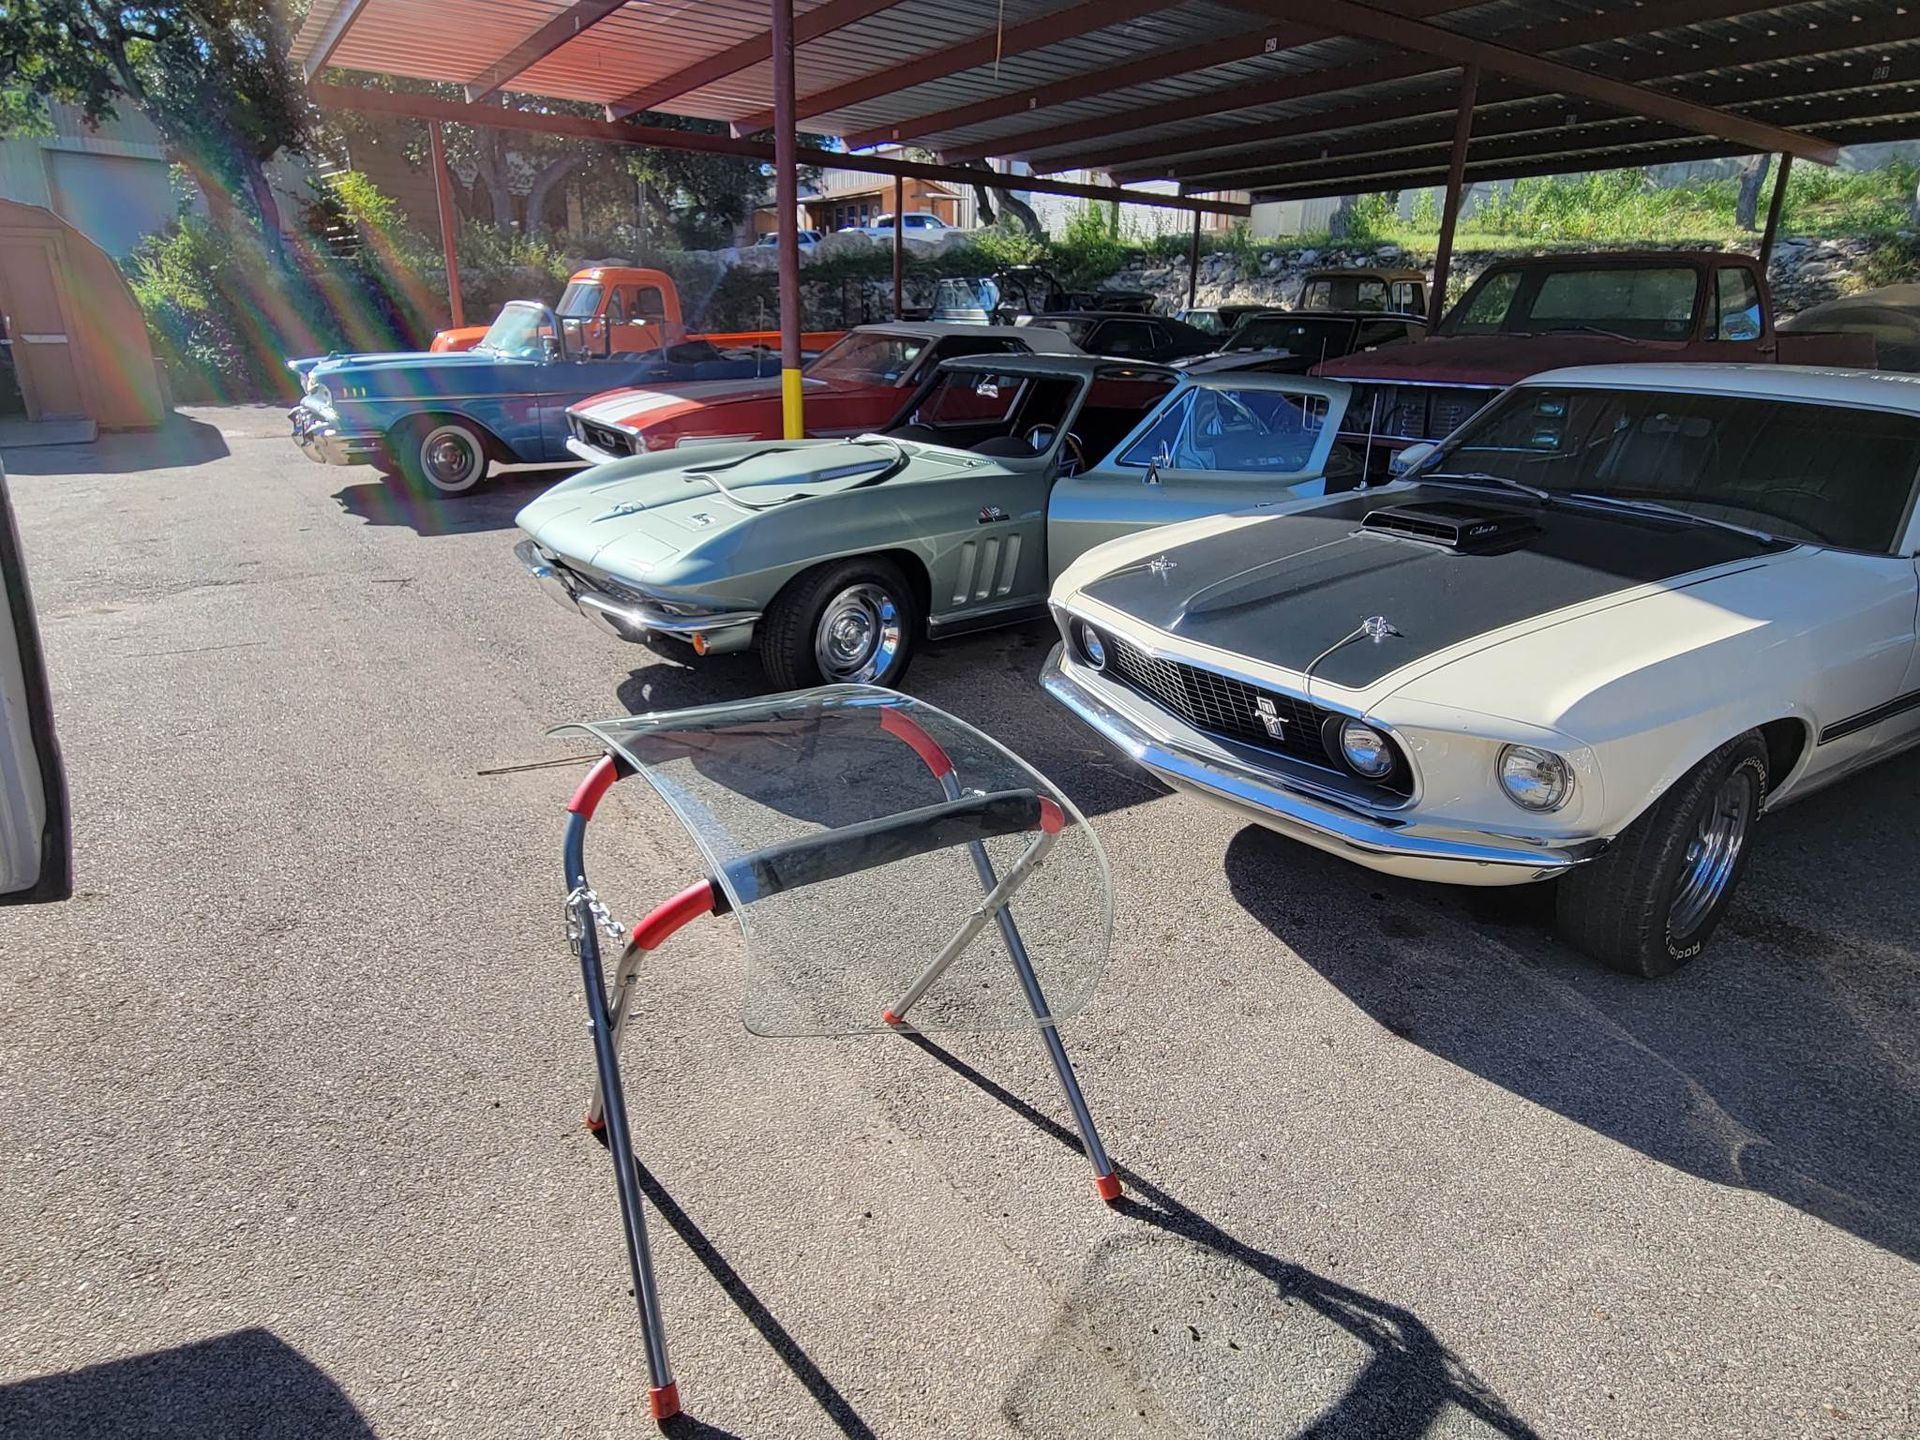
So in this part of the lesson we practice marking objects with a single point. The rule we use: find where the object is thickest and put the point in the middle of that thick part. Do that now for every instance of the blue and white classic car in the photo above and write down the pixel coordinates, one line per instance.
(443, 420)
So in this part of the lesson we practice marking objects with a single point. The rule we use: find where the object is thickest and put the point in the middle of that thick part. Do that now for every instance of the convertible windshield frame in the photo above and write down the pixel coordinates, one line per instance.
(1707, 454)
(516, 332)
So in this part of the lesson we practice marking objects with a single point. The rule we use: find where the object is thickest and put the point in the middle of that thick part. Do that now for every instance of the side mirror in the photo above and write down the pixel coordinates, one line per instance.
(550, 351)
(1405, 460)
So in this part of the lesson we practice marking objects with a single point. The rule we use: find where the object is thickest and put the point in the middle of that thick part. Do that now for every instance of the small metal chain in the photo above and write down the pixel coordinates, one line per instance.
(583, 896)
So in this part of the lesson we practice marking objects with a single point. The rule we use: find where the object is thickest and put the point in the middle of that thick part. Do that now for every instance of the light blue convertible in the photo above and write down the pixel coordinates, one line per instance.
(442, 420)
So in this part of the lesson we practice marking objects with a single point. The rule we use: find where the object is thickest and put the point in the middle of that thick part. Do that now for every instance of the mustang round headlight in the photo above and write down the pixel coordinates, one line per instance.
(1366, 751)
(1535, 779)
(1092, 648)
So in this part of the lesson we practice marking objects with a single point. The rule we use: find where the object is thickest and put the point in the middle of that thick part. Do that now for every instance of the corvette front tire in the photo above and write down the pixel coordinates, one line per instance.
(845, 622)
(1650, 901)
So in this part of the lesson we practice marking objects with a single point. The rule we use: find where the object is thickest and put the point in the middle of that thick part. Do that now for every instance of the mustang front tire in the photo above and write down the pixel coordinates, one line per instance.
(1647, 904)
(845, 622)
(441, 456)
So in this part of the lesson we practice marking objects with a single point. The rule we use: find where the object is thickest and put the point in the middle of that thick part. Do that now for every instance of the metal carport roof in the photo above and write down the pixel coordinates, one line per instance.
(1270, 96)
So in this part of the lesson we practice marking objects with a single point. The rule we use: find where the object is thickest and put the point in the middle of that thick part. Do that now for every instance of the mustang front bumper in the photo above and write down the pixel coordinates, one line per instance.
(1396, 844)
(627, 619)
(324, 441)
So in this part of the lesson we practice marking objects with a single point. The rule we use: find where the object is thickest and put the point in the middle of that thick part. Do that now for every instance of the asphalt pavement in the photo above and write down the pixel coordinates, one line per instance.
(291, 1091)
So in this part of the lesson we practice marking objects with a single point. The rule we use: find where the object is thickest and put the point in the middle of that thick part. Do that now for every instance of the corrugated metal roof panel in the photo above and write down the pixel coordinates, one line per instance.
(1752, 49)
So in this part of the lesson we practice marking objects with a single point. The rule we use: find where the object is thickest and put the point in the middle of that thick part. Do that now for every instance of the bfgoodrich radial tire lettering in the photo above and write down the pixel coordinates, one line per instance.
(1649, 902)
(845, 621)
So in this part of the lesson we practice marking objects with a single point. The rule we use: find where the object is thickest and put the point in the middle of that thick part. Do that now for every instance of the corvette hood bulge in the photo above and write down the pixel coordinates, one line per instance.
(1288, 590)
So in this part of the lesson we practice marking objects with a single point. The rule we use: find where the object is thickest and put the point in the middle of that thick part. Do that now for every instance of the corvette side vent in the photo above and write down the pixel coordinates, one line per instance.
(1454, 525)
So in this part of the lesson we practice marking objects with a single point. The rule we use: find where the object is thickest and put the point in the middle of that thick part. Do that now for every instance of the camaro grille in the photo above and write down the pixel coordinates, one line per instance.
(1222, 705)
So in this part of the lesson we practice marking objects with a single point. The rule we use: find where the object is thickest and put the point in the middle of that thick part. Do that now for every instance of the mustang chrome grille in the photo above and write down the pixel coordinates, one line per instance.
(1222, 705)
(1232, 709)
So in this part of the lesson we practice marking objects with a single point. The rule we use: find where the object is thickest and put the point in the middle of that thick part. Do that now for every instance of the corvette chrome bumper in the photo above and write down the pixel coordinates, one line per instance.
(1396, 844)
(716, 634)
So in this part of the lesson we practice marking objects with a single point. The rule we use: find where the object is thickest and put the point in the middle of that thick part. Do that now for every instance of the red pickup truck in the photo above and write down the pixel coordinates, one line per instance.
(611, 309)
(1528, 315)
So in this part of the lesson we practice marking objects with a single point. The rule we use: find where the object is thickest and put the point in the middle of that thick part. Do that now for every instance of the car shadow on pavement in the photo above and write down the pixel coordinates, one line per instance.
(384, 500)
(178, 441)
(1398, 1391)
(238, 1386)
(1780, 1061)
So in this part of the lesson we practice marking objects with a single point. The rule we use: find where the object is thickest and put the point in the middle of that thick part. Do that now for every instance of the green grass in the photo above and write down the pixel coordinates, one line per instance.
(1624, 207)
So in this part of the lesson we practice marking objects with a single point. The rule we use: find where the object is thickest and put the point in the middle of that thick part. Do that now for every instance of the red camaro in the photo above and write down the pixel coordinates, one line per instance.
(857, 385)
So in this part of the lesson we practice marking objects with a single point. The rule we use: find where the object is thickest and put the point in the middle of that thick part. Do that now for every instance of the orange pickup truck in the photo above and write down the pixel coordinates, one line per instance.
(624, 308)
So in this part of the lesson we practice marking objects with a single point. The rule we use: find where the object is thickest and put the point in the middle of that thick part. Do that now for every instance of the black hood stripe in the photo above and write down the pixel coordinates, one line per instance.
(1287, 589)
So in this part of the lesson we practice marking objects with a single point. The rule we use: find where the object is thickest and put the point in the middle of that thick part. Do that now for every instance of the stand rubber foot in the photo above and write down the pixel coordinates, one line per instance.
(1108, 1187)
(664, 1403)
(887, 1017)
(596, 1126)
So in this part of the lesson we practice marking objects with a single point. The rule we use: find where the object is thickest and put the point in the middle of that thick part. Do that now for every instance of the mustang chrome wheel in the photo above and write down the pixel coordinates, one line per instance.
(858, 634)
(1713, 853)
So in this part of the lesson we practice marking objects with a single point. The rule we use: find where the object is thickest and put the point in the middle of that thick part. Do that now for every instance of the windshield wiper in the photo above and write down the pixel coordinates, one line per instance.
(1654, 507)
(1481, 477)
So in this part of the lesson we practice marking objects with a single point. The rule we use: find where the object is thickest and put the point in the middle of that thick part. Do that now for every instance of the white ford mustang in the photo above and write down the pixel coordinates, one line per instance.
(1590, 637)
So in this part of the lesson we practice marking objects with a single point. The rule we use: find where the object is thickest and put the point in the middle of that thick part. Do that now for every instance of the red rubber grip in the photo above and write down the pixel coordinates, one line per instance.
(594, 788)
(1108, 1187)
(898, 722)
(690, 904)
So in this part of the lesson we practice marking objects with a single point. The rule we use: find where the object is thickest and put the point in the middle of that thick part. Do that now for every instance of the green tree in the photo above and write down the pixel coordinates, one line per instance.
(212, 75)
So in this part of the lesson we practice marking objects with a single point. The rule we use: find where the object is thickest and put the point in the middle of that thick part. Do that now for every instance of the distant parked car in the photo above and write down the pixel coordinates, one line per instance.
(1403, 292)
(1888, 317)
(835, 558)
(1593, 637)
(805, 239)
(858, 385)
(1292, 342)
(442, 421)
(1218, 319)
(1125, 335)
(914, 225)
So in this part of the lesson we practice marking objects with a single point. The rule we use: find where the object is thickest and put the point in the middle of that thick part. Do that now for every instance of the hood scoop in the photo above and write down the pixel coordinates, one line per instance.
(1453, 525)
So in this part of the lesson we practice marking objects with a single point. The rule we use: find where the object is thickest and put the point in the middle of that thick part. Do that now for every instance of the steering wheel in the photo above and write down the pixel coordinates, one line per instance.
(1041, 437)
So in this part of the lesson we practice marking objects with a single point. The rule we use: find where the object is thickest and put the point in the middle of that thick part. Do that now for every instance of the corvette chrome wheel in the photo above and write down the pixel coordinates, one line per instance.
(858, 635)
(1713, 853)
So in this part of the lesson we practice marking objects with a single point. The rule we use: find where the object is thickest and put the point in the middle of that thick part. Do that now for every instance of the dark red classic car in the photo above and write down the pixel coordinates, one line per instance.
(1528, 315)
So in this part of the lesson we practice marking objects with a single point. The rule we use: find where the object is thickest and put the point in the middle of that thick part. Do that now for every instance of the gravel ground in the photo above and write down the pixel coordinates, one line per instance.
(291, 1093)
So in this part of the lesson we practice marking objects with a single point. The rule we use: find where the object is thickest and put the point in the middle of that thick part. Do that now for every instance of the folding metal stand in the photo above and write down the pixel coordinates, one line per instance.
(959, 819)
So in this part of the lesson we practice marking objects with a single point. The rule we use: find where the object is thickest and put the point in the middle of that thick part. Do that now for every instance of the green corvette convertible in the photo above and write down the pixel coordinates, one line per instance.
(836, 558)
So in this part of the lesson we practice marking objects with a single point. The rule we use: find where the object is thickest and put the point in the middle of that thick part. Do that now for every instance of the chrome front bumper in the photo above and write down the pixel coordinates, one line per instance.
(718, 634)
(1189, 761)
(322, 441)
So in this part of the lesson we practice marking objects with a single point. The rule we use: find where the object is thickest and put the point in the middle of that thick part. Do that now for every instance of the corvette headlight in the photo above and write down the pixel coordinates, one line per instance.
(1366, 751)
(1537, 780)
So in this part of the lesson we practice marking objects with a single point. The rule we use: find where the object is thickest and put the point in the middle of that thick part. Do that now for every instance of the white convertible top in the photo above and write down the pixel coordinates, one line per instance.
(1826, 385)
